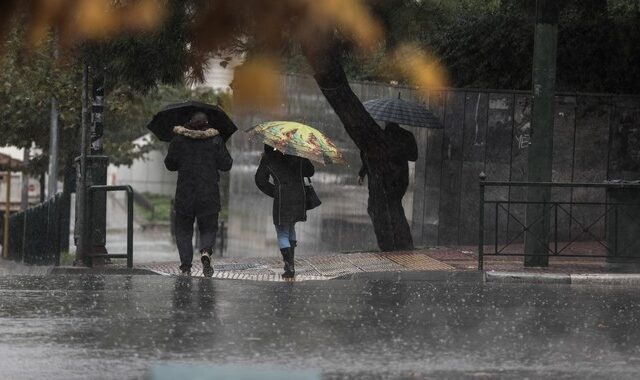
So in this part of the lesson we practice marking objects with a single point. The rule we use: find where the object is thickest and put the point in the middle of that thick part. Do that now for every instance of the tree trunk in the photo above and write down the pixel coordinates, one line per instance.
(385, 194)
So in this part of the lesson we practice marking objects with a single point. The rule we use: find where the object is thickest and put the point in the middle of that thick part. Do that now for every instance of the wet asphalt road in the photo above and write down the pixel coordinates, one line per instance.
(103, 327)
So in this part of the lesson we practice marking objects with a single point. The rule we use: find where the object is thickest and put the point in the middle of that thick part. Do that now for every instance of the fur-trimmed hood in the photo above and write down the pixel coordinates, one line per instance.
(195, 134)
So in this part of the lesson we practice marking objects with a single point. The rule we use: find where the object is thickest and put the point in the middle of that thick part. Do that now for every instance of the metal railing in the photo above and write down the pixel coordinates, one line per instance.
(556, 246)
(129, 190)
(35, 234)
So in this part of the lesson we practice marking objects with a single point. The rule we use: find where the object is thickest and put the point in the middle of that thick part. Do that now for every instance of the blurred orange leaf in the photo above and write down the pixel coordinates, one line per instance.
(256, 84)
(420, 68)
(90, 19)
(350, 16)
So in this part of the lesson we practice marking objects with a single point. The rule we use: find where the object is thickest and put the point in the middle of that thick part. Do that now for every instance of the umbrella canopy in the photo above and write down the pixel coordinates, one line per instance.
(298, 140)
(396, 110)
(175, 114)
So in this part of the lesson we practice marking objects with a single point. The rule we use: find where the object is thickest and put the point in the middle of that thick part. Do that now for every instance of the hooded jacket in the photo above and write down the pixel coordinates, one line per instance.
(197, 156)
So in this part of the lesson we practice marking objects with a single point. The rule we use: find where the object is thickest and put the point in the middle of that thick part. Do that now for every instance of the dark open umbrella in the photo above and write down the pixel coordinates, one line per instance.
(180, 113)
(396, 110)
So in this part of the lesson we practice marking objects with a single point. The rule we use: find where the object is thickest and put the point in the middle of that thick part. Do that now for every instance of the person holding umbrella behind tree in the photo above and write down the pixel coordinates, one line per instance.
(401, 144)
(197, 133)
(287, 150)
(402, 149)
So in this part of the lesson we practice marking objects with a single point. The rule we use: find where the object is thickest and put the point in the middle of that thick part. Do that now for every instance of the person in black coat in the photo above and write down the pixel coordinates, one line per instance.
(402, 149)
(289, 198)
(197, 152)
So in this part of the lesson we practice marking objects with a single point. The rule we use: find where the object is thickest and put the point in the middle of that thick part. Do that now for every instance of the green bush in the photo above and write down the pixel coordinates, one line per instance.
(161, 208)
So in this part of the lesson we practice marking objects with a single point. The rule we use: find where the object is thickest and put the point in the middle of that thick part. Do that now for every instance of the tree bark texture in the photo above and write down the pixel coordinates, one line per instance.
(385, 192)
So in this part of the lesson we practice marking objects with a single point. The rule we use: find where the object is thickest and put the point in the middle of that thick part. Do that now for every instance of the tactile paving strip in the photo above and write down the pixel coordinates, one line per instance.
(371, 262)
(308, 268)
(332, 266)
(418, 262)
(234, 266)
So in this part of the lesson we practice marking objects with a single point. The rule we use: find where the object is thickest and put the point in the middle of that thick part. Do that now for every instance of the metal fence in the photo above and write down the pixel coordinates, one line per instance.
(35, 234)
(610, 226)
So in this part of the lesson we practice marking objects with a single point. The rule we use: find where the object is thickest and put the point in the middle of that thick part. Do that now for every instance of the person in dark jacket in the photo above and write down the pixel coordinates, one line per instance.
(289, 198)
(402, 149)
(197, 152)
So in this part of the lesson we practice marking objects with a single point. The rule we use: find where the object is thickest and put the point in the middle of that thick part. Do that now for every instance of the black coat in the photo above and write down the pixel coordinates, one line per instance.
(287, 189)
(402, 149)
(197, 156)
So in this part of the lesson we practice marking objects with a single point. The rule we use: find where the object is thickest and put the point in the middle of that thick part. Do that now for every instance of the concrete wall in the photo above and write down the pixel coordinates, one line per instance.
(146, 175)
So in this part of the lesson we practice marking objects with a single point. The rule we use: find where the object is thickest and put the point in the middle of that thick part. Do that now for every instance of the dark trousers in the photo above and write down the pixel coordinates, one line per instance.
(208, 227)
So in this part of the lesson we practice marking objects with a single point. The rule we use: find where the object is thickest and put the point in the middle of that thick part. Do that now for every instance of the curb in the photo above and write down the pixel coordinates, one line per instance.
(436, 276)
(606, 279)
(528, 278)
(615, 279)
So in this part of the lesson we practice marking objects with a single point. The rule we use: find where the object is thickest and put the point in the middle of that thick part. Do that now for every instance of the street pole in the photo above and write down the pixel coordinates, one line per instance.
(540, 158)
(7, 212)
(97, 108)
(82, 229)
(97, 165)
(24, 196)
(54, 134)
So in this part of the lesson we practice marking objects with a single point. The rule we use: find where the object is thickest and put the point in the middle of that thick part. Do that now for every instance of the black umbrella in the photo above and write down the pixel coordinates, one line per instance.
(396, 110)
(175, 114)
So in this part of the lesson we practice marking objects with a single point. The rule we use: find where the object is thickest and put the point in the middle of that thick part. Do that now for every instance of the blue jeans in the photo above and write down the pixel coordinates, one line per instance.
(286, 233)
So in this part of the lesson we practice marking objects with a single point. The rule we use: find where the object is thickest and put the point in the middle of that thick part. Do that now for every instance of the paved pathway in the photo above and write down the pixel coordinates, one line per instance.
(429, 259)
(310, 268)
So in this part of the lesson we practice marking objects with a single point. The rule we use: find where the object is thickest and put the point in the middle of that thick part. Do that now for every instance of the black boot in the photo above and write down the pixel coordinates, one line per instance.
(287, 257)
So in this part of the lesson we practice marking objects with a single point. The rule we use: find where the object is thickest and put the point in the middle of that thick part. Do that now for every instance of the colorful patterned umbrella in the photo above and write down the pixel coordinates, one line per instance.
(298, 140)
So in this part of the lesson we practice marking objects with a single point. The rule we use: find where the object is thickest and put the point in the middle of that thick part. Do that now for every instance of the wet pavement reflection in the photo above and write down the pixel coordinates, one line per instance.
(117, 327)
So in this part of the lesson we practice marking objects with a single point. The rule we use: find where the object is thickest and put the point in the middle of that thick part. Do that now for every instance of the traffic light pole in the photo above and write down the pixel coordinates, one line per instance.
(91, 167)
(540, 158)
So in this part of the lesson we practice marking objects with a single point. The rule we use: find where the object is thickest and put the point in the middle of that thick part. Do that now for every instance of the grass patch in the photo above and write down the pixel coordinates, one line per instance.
(66, 258)
(161, 208)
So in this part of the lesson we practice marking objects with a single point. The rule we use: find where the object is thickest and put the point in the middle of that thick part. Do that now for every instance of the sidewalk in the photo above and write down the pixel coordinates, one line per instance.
(323, 267)
(422, 264)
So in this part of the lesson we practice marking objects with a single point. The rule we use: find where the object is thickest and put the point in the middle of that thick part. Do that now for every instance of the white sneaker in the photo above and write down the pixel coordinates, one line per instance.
(207, 269)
